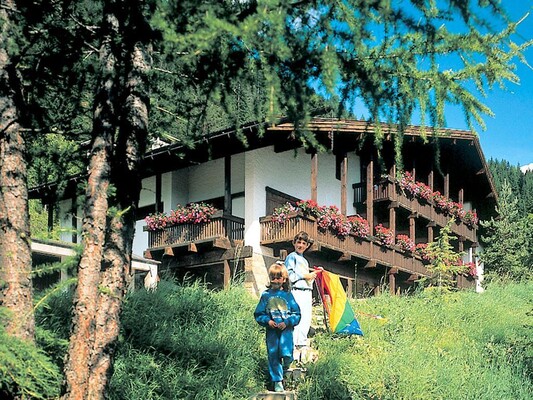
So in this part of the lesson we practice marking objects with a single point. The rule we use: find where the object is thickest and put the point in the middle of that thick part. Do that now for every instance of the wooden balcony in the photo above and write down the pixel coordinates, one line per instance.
(223, 231)
(388, 190)
(277, 235)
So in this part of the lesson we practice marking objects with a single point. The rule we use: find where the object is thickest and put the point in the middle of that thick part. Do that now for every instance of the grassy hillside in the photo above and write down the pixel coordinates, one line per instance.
(185, 342)
(457, 346)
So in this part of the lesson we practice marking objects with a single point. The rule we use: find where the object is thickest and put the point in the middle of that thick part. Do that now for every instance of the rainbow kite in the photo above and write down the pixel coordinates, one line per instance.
(339, 312)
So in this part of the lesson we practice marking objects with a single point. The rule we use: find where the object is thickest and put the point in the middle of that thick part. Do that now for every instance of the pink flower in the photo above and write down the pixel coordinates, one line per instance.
(405, 243)
(193, 213)
(384, 235)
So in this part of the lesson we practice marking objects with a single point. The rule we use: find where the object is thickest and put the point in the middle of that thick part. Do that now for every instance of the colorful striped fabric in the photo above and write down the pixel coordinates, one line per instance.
(340, 314)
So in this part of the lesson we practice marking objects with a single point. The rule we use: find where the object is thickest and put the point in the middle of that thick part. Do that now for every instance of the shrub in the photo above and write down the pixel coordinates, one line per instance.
(26, 372)
(189, 343)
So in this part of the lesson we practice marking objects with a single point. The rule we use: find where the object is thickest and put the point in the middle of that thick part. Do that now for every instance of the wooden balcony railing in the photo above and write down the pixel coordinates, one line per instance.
(389, 190)
(274, 233)
(220, 226)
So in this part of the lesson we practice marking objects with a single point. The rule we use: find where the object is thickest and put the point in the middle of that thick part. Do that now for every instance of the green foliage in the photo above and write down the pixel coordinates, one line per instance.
(39, 222)
(521, 184)
(185, 342)
(460, 345)
(508, 240)
(190, 343)
(26, 372)
(445, 262)
(391, 58)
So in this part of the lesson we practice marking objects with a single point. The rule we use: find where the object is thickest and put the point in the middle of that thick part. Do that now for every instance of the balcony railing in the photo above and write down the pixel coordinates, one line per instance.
(274, 233)
(388, 190)
(220, 226)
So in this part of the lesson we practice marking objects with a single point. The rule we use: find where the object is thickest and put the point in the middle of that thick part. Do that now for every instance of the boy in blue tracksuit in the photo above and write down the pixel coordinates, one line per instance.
(279, 313)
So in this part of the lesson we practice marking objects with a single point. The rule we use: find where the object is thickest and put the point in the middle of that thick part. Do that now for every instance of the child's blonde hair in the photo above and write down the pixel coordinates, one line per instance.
(277, 270)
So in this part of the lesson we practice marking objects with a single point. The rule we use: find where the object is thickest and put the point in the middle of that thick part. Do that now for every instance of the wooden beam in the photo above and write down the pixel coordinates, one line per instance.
(392, 283)
(447, 185)
(158, 191)
(227, 185)
(314, 176)
(227, 274)
(192, 248)
(222, 243)
(169, 251)
(392, 221)
(371, 263)
(345, 257)
(370, 195)
(314, 248)
(215, 256)
(344, 174)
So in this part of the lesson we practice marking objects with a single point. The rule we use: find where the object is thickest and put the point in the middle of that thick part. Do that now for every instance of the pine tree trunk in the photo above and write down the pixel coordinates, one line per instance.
(78, 365)
(104, 269)
(117, 256)
(16, 290)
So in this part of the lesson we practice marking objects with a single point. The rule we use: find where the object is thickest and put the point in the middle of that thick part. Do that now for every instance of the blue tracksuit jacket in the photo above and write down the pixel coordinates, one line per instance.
(279, 306)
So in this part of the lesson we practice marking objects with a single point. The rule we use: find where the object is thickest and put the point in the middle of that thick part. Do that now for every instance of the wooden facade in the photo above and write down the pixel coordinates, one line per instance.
(448, 161)
(379, 198)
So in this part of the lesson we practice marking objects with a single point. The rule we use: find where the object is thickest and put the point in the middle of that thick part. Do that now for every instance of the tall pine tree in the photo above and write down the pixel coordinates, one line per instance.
(506, 243)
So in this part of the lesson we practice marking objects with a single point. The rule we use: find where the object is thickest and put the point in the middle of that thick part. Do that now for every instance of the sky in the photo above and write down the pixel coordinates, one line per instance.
(509, 134)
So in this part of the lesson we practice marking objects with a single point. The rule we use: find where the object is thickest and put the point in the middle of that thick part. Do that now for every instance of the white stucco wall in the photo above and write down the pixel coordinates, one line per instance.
(192, 184)
(290, 173)
(251, 172)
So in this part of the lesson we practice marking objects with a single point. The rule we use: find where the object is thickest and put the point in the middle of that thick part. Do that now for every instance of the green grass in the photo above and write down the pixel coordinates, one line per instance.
(187, 342)
(455, 346)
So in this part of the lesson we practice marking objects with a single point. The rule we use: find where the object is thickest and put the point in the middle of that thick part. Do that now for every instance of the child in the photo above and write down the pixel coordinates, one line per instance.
(302, 286)
(279, 313)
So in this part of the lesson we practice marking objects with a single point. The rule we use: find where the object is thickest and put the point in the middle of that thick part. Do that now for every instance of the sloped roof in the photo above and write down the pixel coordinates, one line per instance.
(336, 134)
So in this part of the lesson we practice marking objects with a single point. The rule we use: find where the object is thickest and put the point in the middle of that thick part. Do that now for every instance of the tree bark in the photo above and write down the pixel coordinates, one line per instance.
(104, 269)
(78, 365)
(131, 145)
(16, 289)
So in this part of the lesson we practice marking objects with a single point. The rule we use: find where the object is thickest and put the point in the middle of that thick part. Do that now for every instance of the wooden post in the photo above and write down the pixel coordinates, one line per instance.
(74, 222)
(370, 195)
(447, 185)
(432, 187)
(314, 177)
(50, 222)
(227, 185)
(227, 274)
(461, 196)
(412, 227)
(392, 220)
(158, 185)
(392, 280)
(461, 244)
(394, 197)
(344, 174)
